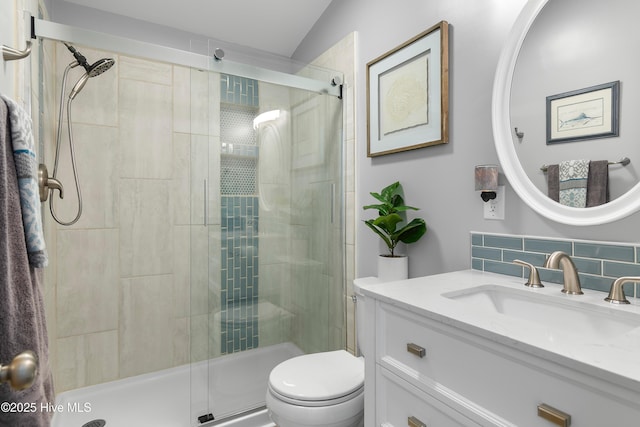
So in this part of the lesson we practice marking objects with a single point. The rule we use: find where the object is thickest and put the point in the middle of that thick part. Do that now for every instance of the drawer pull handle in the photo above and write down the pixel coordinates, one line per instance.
(414, 422)
(554, 415)
(416, 349)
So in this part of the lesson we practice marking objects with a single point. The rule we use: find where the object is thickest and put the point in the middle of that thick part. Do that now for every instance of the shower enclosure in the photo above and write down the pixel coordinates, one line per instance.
(269, 231)
(211, 241)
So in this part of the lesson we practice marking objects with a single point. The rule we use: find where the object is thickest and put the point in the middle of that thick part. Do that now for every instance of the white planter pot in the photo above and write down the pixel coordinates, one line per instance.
(393, 268)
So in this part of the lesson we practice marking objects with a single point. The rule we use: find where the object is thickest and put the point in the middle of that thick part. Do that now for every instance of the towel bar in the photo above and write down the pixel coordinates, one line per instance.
(11, 54)
(623, 161)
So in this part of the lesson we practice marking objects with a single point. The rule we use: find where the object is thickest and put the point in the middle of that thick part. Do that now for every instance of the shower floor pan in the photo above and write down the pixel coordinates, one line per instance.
(176, 397)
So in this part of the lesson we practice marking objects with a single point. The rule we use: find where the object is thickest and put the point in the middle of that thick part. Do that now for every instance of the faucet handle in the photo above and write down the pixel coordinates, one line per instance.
(534, 277)
(616, 294)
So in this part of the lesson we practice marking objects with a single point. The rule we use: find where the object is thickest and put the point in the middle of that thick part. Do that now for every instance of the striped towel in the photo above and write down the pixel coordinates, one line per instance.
(573, 176)
(24, 155)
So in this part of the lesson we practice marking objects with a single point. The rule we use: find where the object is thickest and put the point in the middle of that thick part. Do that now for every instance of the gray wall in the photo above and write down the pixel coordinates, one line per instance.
(440, 179)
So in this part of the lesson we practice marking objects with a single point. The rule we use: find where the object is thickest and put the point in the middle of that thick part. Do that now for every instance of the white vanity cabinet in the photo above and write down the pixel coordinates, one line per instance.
(427, 370)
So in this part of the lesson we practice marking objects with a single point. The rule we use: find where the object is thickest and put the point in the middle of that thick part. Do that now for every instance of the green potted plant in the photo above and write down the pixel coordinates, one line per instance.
(388, 225)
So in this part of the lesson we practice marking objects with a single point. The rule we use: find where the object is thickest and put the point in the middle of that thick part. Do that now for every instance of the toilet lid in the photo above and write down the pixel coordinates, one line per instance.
(318, 376)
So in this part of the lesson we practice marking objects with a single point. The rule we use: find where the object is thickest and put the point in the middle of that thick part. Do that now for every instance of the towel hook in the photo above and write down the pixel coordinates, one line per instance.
(519, 134)
(11, 54)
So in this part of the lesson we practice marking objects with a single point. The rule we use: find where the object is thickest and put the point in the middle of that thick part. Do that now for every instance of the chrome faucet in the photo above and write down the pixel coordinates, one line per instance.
(560, 260)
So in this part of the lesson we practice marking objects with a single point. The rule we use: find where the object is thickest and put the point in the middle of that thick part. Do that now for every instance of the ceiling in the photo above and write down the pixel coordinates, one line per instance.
(275, 26)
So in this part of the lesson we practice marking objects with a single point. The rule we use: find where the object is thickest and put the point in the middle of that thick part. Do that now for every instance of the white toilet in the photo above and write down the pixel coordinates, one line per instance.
(320, 389)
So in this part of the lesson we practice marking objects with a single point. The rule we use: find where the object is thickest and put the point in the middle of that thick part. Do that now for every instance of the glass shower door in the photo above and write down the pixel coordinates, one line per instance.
(266, 265)
(203, 197)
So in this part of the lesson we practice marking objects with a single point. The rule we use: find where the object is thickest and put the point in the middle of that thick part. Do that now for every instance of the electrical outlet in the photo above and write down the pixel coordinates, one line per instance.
(494, 209)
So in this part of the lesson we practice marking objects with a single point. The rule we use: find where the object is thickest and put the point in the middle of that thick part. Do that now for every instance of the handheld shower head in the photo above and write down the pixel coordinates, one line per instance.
(78, 86)
(93, 70)
(100, 66)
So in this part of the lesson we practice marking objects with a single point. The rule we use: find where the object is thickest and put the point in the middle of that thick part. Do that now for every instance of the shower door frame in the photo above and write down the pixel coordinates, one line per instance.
(66, 33)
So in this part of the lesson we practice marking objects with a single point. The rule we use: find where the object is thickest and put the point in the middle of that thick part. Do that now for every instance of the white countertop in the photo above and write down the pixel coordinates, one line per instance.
(616, 360)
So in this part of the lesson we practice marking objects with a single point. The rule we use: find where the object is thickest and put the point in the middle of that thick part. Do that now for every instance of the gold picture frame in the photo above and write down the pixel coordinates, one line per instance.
(408, 94)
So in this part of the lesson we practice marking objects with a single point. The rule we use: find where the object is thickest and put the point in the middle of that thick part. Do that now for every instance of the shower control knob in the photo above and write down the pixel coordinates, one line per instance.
(46, 183)
(21, 372)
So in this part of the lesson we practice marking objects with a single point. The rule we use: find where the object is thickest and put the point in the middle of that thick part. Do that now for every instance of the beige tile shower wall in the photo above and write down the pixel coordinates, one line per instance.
(119, 282)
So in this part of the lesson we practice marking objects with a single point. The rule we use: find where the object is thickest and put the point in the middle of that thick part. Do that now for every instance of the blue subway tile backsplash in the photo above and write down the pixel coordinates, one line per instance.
(503, 242)
(546, 245)
(598, 263)
(612, 252)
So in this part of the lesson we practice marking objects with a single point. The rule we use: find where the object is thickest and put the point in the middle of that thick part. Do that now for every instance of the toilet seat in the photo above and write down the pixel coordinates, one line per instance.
(319, 379)
(316, 403)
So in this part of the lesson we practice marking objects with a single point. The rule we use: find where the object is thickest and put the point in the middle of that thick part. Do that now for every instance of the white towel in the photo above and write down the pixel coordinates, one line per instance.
(24, 154)
(573, 176)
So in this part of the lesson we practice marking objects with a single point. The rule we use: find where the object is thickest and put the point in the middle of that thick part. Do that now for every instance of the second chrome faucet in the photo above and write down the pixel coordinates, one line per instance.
(571, 281)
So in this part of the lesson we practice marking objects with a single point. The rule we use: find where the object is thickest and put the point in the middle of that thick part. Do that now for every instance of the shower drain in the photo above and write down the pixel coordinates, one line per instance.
(95, 423)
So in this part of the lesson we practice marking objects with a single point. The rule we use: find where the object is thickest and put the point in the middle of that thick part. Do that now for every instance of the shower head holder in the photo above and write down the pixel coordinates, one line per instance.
(46, 183)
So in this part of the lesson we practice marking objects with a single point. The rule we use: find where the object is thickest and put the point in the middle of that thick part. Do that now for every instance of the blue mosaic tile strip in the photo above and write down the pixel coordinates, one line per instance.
(239, 215)
(598, 264)
(239, 273)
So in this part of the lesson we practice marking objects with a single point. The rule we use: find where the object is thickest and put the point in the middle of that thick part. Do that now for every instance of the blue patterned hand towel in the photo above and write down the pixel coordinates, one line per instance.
(27, 168)
(573, 176)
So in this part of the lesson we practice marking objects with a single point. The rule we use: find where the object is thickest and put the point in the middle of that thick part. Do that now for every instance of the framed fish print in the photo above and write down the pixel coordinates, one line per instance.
(408, 94)
(582, 114)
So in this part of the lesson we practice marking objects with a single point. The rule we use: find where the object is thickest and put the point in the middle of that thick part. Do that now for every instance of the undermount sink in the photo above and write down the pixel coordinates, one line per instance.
(557, 313)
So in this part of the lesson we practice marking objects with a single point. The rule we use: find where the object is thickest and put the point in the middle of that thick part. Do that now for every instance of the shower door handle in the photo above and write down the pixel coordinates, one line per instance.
(205, 203)
(332, 202)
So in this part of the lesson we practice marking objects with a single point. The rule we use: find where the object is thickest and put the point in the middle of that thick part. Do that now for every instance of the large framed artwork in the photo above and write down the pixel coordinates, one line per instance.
(583, 114)
(408, 94)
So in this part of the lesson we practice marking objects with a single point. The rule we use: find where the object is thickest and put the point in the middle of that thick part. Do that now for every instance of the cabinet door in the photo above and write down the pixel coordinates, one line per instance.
(400, 404)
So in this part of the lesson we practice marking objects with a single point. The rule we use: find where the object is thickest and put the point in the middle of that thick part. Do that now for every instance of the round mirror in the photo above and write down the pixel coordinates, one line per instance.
(558, 53)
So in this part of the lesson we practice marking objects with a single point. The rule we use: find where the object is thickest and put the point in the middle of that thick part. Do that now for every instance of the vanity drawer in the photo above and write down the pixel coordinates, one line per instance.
(401, 404)
(494, 378)
(408, 343)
